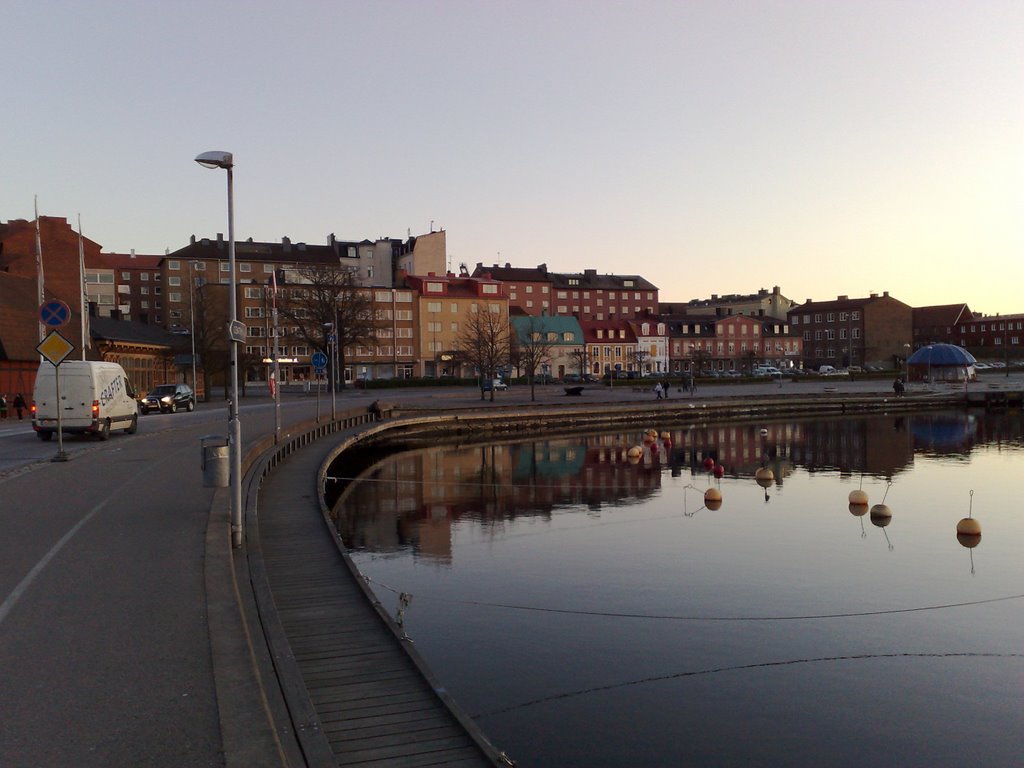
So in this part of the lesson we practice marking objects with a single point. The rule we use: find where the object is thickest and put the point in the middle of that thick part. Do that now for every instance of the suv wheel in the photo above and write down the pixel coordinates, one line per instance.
(173, 408)
(191, 406)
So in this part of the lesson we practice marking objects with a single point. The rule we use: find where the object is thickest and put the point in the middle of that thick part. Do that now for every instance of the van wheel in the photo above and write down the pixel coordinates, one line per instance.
(44, 436)
(104, 433)
(134, 426)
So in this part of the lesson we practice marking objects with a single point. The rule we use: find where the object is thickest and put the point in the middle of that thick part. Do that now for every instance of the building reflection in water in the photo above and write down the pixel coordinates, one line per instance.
(416, 498)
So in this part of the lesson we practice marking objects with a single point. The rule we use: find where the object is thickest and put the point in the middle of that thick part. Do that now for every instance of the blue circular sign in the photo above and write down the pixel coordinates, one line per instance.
(319, 360)
(54, 313)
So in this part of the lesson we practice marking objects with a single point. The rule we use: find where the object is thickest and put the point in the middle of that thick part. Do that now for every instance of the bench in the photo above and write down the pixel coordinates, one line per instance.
(382, 410)
(574, 390)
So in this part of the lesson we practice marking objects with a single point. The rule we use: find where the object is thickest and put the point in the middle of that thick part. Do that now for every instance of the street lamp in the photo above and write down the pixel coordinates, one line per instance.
(332, 347)
(192, 324)
(225, 160)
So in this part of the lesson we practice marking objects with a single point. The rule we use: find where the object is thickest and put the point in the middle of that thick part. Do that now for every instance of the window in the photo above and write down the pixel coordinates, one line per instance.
(144, 290)
(174, 264)
(175, 281)
(174, 296)
(817, 317)
(570, 336)
(574, 281)
(199, 266)
(434, 287)
(433, 306)
(529, 289)
(126, 276)
(144, 277)
(254, 312)
(490, 288)
(268, 269)
(855, 315)
(830, 317)
(382, 296)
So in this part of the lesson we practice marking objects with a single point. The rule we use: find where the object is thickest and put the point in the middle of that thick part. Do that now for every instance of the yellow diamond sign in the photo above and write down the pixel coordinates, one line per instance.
(55, 347)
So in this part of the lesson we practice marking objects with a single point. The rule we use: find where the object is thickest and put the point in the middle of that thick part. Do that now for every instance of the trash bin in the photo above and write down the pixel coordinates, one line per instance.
(216, 465)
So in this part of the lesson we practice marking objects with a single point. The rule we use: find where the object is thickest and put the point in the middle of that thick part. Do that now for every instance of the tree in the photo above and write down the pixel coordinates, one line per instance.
(321, 299)
(581, 356)
(534, 349)
(485, 343)
(640, 358)
(210, 311)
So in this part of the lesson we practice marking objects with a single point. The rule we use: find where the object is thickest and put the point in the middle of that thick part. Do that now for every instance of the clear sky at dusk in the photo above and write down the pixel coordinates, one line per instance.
(713, 147)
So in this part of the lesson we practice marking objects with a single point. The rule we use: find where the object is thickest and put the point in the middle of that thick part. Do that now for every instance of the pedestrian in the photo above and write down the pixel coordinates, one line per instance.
(375, 410)
(658, 390)
(897, 387)
(3, 406)
(666, 389)
(19, 404)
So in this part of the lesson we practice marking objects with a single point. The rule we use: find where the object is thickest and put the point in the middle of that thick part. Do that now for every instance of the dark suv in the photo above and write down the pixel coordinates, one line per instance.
(168, 398)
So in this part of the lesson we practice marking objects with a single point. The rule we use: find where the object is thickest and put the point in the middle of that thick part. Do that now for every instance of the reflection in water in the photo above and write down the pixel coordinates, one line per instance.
(600, 620)
(412, 500)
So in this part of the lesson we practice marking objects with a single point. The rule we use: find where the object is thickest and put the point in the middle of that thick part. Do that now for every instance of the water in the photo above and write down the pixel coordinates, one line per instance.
(589, 610)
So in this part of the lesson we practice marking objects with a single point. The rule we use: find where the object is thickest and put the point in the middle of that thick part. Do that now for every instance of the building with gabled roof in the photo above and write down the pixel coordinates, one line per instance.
(764, 303)
(564, 338)
(938, 324)
(611, 347)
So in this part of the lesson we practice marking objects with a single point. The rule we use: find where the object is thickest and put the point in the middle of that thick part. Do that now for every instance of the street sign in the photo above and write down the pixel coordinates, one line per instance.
(319, 360)
(54, 313)
(55, 347)
(331, 338)
(236, 330)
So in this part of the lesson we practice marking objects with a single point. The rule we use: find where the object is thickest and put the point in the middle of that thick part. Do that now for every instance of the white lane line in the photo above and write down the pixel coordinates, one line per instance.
(25, 583)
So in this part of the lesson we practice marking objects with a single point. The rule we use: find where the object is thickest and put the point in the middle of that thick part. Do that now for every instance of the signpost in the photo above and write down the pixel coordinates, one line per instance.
(319, 360)
(55, 348)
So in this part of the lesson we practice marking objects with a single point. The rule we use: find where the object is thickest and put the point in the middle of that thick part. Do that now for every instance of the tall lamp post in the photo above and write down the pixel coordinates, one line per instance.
(225, 160)
(192, 325)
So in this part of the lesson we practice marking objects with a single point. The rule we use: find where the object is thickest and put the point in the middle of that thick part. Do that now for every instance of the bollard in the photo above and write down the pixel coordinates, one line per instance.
(215, 461)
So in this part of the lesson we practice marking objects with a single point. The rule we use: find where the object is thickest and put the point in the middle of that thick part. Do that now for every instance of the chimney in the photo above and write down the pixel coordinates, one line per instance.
(714, 297)
(885, 293)
(542, 268)
(843, 298)
(286, 244)
(874, 296)
(508, 265)
(220, 240)
(192, 240)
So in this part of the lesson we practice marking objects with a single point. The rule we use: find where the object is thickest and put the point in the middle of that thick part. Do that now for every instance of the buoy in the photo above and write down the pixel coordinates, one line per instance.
(859, 497)
(969, 527)
(719, 471)
(968, 541)
(712, 494)
(666, 435)
(764, 432)
(713, 505)
(709, 463)
(764, 477)
(858, 510)
(881, 510)
(635, 452)
(649, 438)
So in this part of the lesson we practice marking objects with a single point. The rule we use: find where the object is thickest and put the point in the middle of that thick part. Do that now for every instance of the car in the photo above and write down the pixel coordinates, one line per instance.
(168, 398)
(572, 378)
(494, 384)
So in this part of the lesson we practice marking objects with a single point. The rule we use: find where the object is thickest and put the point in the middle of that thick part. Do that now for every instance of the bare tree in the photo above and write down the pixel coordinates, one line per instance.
(210, 310)
(322, 294)
(485, 343)
(581, 357)
(534, 349)
(640, 358)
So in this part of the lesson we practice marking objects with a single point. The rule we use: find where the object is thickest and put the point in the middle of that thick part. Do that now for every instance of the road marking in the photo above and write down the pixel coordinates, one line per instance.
(15, 595)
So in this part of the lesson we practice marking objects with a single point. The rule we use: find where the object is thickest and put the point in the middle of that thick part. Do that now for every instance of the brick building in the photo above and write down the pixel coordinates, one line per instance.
(872, 331)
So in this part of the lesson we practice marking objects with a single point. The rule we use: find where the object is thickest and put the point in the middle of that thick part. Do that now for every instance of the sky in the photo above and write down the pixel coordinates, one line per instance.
(712, 147)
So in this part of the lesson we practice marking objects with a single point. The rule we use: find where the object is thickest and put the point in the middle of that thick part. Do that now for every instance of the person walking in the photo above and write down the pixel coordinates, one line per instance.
(657, 390)
(3, 406)
(19, 404)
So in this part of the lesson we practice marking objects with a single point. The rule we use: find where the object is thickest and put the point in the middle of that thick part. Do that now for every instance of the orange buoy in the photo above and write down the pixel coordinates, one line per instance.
(969, 527)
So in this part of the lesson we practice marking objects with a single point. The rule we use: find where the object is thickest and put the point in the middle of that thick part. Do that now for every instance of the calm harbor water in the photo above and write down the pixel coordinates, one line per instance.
(589, 609)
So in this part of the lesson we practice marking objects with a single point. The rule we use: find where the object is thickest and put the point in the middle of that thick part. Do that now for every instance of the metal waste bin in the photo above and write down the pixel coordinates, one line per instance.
(216, 463)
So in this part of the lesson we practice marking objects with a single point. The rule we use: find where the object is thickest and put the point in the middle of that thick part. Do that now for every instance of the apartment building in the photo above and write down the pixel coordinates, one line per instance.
(443, 305)
(528, 288)
(703, 344)
(562, 335)
(651, 345)
(876, 330)
(611, 347)
(764, 303)
(590, 296)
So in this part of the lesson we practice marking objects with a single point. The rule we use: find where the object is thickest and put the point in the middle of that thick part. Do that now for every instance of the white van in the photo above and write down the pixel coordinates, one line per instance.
(767, 370)
(94, 399)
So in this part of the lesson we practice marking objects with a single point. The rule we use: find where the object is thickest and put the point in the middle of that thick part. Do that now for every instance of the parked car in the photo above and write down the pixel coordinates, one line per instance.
(494, 384)
(168, 398)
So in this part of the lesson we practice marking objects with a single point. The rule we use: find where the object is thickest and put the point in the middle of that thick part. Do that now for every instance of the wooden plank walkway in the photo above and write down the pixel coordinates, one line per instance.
(370, 700)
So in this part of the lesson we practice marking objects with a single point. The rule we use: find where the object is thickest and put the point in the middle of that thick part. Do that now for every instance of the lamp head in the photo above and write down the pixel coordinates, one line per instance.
(215, 159)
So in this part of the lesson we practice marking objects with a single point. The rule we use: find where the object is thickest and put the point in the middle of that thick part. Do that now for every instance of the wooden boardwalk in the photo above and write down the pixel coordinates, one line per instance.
(355, 693)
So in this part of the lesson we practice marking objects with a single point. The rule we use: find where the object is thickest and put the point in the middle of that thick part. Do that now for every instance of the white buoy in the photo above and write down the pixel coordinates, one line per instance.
(764, 477)
(858, 497)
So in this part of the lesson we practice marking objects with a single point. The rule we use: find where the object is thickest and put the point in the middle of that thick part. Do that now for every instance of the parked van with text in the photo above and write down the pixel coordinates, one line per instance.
(95, 398)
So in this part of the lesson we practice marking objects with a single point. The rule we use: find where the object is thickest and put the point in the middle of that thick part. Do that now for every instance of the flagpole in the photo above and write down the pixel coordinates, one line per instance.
(85, 293)
(39, 267)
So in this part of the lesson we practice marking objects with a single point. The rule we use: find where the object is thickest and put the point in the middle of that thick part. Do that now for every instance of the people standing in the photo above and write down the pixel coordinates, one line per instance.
(658, 390)
(19, 404)
(897, 387)
(3, 406)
